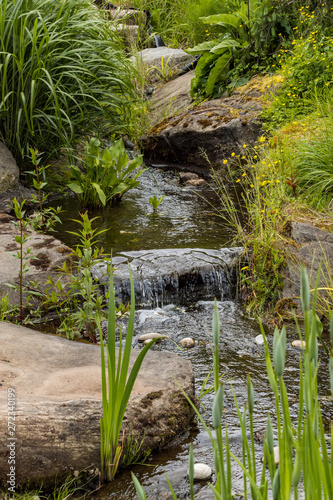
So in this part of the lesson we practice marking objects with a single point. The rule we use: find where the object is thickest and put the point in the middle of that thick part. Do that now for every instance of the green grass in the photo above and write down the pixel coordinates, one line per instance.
(62, 73)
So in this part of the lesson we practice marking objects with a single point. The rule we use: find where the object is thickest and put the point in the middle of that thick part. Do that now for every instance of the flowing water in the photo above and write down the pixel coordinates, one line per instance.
(240, 354)
(187, 217)
(188, 220)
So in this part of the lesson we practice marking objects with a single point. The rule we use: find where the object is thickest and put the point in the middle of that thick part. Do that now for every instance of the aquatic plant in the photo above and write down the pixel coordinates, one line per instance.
(155, 202)
(104, 177)
(303, 447)
(117, 383)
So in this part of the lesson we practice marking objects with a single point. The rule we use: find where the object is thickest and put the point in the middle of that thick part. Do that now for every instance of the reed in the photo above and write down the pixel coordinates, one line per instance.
(304, 448)
(117, 383)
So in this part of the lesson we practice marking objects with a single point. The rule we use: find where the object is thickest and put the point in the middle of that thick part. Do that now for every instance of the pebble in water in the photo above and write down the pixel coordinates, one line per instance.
(202, 472)
(299, 343)
(187, 342)
(259, 339)
(150, 336)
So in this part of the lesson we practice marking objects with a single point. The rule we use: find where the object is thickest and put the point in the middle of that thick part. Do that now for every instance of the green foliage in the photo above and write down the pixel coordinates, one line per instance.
(61, 74)
(76, 298)
(155, 202)
(45, 218)
(314, 165)
(105, 177)
(308, 69)
(250, 34)
(117, 383)
(23, 254)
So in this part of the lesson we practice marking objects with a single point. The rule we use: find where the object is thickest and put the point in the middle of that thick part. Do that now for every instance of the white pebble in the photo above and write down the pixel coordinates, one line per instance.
(299, 343)
(276, 455)
(259, 339)
(202, 472)
(150, 336)
(187, 342)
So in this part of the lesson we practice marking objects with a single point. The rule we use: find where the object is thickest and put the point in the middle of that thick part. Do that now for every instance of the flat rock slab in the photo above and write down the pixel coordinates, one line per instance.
(49, 254)
(174, 59)
(173, 97)
(312, 247)
(174, 276)
(58, 403)
(207, 134)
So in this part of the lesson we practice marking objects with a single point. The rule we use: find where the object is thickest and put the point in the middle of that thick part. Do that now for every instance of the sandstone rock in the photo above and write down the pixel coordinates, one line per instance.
(187, 176)
(187, 342)
(312, 247)
(150, 336)
(58, 404)
(202, 472)
(9, 181)
(175, 59)
(129, 16)
(173, 97)
(50, 254)
(209, 133)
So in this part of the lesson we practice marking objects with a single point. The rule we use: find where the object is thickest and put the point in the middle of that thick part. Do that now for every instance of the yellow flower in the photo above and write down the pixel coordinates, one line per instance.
(245, 267)
(238, 180)
(251, 185)
(243, 175)
(255, 157)
(244, 145)
(262, 139)
(232, 154)
(277, 181)
(225, 161)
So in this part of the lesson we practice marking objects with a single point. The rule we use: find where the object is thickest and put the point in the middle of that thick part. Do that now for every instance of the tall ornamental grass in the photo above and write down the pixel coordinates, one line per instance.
(61, 74)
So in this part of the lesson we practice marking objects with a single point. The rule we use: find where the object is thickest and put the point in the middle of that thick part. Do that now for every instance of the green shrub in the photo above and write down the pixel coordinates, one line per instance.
(104, 178)
(309, 71)
(251, 33)
(60, 74)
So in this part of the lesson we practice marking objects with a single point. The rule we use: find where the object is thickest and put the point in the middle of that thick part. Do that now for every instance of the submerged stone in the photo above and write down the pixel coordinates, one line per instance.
(187, 342)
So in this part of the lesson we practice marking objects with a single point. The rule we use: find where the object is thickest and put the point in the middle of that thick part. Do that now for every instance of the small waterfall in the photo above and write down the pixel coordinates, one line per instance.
(173, 276)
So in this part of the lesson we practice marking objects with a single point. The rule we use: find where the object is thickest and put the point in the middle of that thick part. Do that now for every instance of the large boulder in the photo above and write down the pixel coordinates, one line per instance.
(207, 134)
(54, 387)
(47, 255)
(9, 181)
(310, 247)
(173, 97)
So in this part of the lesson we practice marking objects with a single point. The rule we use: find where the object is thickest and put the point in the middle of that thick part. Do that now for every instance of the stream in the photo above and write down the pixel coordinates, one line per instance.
(188, 220)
